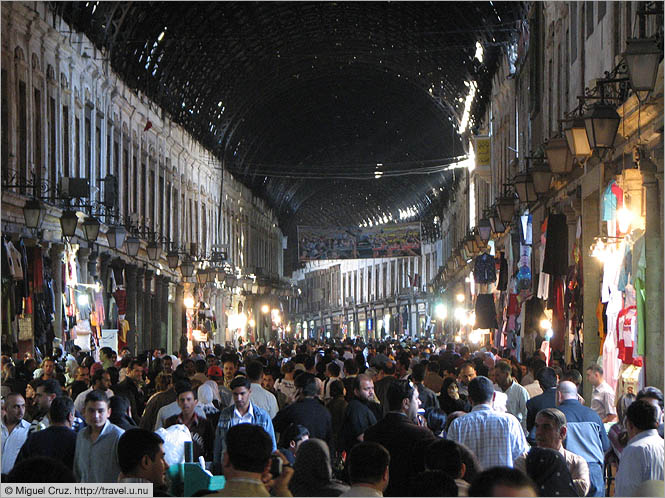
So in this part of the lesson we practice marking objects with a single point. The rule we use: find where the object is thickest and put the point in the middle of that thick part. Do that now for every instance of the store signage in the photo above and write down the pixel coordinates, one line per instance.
(483, 151)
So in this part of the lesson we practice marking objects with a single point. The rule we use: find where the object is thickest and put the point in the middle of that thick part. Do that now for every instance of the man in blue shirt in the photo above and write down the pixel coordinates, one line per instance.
(586, 434)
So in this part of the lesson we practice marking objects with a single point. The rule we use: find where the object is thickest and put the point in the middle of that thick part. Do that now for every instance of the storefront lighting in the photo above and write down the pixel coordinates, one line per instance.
(386, 319)
(116, 236)
(460, 297)
(188, 302)
(577, 139)
(172, 258)
(288, 328)
(82, 300)
(68, 223)
(187, 267)
(625, 218)
(32, 213)
(458, 338)
(642, 57)
(154, 250)
(460, 314)
(549, 334)
(247, 284)
(475, 337)
(265, 309)
(252, 323)
(524, 188)
(602, 124)
(91, 228)
(133, 244)
(545, 324)
(559, 155)
(440, 311)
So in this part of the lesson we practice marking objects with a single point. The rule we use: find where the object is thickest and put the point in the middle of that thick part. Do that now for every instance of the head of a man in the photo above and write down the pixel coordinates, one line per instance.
(369, 464)
(167, 364)
(293, 436)
(45, 393)
(503, 374)
(82, 374)
(502, 481)
(306, 385)
(641, 416)
(550, 428)
(141, 454)
(402, 396)
(62, 411)
(254, 371)
(101, 380)
(403, 362)
(547, 378)
(48, 367)
(594, 374)
(106, 355)
(248, 449)
(229, 367)
(14, 408)
(97, 410)
(269, 378)
(241, 387)
(187, 398)
(467, 373)
(190, 367)
(565, 391)
(653, 395)
(481, 391)
(135, 371)
(363, 388)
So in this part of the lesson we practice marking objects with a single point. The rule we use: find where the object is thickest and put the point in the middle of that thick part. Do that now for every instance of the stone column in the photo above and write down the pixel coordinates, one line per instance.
(156, 309)
(147, 310)
(82, 255)
(92, 266)
(104, 260)
(177, 315)
(55, 253)
(164, 316)
(130, 286)
(593, 274)
(140, 313)
(653, 347)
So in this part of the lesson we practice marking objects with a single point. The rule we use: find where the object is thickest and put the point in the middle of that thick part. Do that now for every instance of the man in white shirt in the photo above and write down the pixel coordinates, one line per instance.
(101, 381)
(368, 470)
(517, 395)
(14, 430)
(642, 459)
(258, 395)
(602, 397)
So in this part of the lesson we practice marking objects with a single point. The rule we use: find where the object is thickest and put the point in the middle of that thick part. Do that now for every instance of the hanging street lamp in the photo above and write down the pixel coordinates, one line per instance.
(642, 57)
(577, 139)
(187, 267)
(133, 245)
(116, 236)
(602, 124)
(32, 212)
(558, 154)
(154, 250)
(91, 228)
(68, 223)
(172, 259)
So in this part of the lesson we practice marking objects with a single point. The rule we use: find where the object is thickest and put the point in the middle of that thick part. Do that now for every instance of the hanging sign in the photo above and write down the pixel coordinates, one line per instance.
(25, 328)
(483, 150)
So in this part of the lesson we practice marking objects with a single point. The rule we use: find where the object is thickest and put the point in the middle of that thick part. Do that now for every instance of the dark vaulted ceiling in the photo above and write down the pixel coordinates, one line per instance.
(302, 100)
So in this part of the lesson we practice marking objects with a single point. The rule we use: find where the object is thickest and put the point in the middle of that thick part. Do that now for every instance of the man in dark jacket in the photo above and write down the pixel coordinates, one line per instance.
(130, 388)
(308, 411)
(361, 413)
(546, 377)
(58, 440)
(402, 435)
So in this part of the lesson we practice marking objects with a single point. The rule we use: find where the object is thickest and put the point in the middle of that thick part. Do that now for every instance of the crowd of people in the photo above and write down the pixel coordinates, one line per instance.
(332, 419)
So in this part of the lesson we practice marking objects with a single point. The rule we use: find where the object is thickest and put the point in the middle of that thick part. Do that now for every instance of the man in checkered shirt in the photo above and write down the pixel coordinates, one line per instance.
(497, 439)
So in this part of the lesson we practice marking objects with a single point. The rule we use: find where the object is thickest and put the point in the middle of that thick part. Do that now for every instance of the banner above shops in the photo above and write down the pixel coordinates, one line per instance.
(385, 241)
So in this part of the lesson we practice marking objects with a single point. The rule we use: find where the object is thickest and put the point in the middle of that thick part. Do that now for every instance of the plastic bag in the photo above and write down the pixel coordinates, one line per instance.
(174, 442)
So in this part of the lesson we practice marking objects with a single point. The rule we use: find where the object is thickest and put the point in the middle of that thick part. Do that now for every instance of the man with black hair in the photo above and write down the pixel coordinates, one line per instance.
(654, 396)
(291, 439)
(131, 388)
(242, 411)
(518, 397)
(202, 432)
(58, 440)
(361, 413)
(465, 374)
(642, 458)
(546, 377)
(369, 470)
(141, 456)
(45, 392)
(446, 456)
(427, 397)
(258, 395)
(502, 481)
(403, 364)
(401, 434)
(14, 430)
(381, 385)
(270, 376)
(602, 395)
(246, 460)
(101, 381)
(495, 438)
(332, 374)
(308, 410)
(529, 380)
(432, 378)
(96, 455)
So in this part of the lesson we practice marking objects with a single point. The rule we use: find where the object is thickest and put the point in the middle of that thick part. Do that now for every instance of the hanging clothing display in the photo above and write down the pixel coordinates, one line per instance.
(558, 316)
(555, 260)
(503, 273)
(543, 278)
(485, 312)
(484, 269)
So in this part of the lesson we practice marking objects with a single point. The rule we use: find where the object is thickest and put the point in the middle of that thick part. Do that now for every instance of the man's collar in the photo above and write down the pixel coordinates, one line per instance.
(482, 406)
(194, 421)
(642, 435)
(250, 411)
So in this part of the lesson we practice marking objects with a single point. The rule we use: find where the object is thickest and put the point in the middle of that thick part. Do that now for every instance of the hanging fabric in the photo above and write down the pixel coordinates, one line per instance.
(485, 312)
(484, 269)
(503, 272)
(555, 261)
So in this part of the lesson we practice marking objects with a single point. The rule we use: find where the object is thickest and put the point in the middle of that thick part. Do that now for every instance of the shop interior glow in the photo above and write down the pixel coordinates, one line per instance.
(549, 334)
(625, 218)
(386, 319)
(188, 302)
(252, 323)
(460, 314)
(460, 297)
(474, 336)
(265, 309)
(82, 300)
(440, 311)
(545, 324)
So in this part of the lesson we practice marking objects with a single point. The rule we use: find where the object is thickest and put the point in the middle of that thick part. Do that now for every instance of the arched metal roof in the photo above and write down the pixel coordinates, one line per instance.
(287, 92)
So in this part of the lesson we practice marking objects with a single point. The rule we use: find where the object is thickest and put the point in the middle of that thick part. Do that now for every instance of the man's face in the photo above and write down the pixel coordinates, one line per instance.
(104, 382)
(414, 404)
(125, 353)
(229, 370)
(366, 391)
(48, 367)
(167, 363)
(190, 368)
(241, 397)
(268, 382)
(136, 373)
(96, 413)
(83, 373)
(547, 434)
(187, 402)
(593, 378)
(43, 400)
(502, 378)
(210, 362)
(467, 374)
(15, 409)
(156, 471)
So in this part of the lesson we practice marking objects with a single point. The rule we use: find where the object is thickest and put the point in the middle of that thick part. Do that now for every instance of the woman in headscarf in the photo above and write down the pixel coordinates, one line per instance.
(205, 396)
(548, 469)
(449, 399)
(312, 474)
